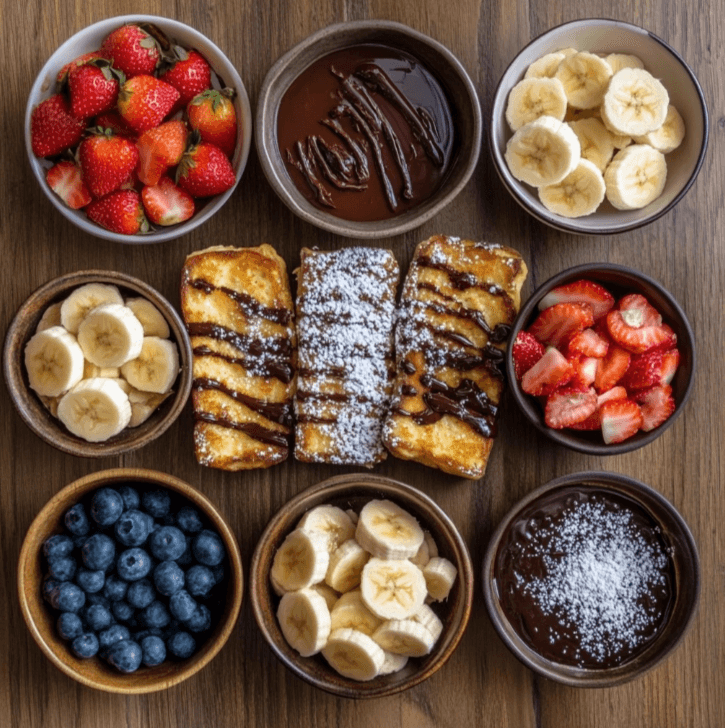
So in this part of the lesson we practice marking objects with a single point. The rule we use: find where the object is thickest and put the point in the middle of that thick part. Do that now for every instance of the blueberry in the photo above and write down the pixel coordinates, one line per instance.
(130, 497)
(98, 600)
(133, 564)
(90, 581)
(58, 545)
(167, 543)
(133, 528)
(153, 650)
(67, 597)
(182, 605)
(125, 655)
(208, 548)
(69, 626)
(156, 502)
(155, 615)
(181, 645)
(187, 557)
(98, 552)
(97, 617)
(49, 586)
(85, 645)
(62, 568)
(76, 520)
(200, 621)
(168, 578)
(115, 588)
(188, 520)
(122, 611)
(141, 593)
(199, 580)
(115, 633)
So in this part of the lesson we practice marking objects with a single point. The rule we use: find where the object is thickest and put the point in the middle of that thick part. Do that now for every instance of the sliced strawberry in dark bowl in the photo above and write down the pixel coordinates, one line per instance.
(526, 351)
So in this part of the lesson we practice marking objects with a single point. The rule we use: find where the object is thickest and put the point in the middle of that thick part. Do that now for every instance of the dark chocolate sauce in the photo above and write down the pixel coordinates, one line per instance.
(272, 347)
(248, 303)
(275, 411)
(262, 434)
(276, 368)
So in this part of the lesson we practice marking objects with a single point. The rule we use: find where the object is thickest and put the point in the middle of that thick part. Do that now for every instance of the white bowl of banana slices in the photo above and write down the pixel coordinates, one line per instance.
(97, 363)
(598, 127)
(362, 586)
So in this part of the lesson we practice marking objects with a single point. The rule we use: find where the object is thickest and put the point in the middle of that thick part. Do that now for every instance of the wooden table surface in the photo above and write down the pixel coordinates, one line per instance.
(482, 685)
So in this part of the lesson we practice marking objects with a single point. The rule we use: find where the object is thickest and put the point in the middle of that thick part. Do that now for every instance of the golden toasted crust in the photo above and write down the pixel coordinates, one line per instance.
(238, 309)
(458, 302)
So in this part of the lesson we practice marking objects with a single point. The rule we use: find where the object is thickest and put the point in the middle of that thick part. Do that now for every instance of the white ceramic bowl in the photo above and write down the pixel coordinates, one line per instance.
(90, 39)
(610, 36)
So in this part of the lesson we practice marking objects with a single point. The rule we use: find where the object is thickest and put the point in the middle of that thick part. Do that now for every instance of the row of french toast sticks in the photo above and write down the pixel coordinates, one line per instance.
(354, 374)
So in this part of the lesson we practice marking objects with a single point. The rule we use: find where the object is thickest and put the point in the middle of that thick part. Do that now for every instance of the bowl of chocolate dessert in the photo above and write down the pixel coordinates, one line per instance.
(592, 579)
(368, 128)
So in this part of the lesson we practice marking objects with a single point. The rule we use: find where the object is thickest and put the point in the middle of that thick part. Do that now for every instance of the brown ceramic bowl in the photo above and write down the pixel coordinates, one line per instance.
(619, 281)
(686, 563)
(353, 491)
(41, 619)
(32, 410)
(437, 58)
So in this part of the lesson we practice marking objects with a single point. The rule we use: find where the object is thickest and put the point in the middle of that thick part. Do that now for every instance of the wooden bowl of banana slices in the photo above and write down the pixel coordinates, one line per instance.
(362, 586)
(97, 363)
(598, 127)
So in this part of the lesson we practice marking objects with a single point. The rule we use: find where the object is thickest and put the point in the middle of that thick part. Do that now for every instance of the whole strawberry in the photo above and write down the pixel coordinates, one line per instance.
(212, 114)
(144, 101)
(120, 212)
(93, 88)
(160, 148)
(189, 74)
(62, 76)
(107, 161)
(53, 128)
(132, 50)
(205, 171)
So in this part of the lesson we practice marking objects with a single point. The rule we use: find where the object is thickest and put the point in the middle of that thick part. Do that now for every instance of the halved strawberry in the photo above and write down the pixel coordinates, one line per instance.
(585, 369)
(657, 404)
(589, 343)
(651, 369)
(550, 372)
(610, 395)
(66, 181)
(558, 324)
(166, 204)
(159, 149)
(594, 422)
(621, 418)
(637, 326)
(582, 291)
(525, 352)
(590, 424)
(638, 311)
(568, 406)
(611, 368)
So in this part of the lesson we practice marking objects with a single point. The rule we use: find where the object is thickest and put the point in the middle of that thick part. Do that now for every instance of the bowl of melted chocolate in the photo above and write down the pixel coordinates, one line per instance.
(368, 128)
(592, 579)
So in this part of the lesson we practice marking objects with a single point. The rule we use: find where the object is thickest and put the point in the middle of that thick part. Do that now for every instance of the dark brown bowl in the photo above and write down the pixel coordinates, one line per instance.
(94, 672)
(687, 584)
(353, 491)
(32, 410)
(619, 280)
(447, 68)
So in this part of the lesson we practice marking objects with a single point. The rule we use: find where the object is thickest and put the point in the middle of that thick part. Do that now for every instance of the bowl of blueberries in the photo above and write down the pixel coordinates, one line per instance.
(129, 580)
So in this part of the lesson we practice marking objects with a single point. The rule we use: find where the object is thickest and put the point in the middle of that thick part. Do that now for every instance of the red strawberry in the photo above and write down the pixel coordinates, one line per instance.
(590, 424)
(144, 101)
(638, 311)
(53, 128)
(670, 362)
(593, 422)
(656, 404)
(115, 122)
(66, 181)
(580, 292)
(568, 406)
(637, 326)
(652, 368)
(212, 114)
(189, 75)
(610, 395)
(550, 372)
(621, 418)
(160, 148)
(589, 343)
(204, 171)
(120, 212)
(558, 324)
(611, 368)
(93, 88)
(106, 161)
(62, 76)
(166, 204)
(132, 50)
(585, 369)
(526, 351)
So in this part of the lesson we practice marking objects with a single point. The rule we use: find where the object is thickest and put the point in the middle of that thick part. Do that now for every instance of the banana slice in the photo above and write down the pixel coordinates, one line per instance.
(331, 522)
(635, 177)
(404, 637)
(430, 620)
(350, 612)
(427, 550)
(330, 596)
(354, 654)
(51, 404)
(90, 370)
(392, 589)
(110, 335)
(635, 103)
(579, 193)
(669, 136)
(83, 300)
(595, 141)
(620, 141)
(387, 531)
(50, 318)
(54, 361)
(95, 409)
(568, 52)
(143, 404)
(278, 589)
(534, 97)
(155, 367)
(300, 561)
(618, 61)
(346, 565)
(545, 67)
(304, 620)
(585, 78)
(440, 575)
(152, 320)
(353, 516)
(543, 152)
(393, 663)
